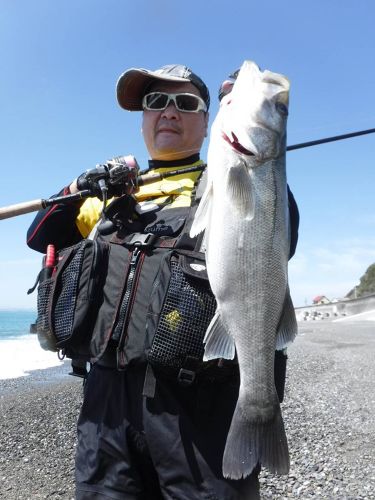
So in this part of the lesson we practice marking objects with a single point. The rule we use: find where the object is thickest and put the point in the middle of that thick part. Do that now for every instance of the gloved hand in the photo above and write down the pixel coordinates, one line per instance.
(117, 177)
(123, 175)
(227, 85)
(89, 180)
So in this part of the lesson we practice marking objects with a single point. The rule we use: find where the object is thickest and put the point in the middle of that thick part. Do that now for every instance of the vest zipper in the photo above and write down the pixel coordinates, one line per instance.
(119, 333)
(93, 269)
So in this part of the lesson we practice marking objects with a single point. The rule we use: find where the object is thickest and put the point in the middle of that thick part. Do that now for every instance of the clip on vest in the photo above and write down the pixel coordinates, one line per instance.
(188, 371)
(186, 377)
(142, 239)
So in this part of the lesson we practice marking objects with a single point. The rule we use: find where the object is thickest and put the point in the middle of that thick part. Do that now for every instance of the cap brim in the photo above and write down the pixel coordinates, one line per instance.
(132, 84)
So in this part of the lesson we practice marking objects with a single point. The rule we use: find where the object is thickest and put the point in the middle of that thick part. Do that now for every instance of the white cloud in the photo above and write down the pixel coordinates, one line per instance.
(329, 270)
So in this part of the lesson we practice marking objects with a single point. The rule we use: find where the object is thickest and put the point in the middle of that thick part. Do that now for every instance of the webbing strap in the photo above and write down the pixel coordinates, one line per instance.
(149, 385)
(202, 183)
(184, 240)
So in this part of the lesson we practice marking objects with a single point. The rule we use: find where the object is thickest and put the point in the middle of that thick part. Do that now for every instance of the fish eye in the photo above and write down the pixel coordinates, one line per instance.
(281, 108)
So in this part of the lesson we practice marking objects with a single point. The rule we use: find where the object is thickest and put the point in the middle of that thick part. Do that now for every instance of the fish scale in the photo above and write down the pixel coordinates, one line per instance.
(244, 212)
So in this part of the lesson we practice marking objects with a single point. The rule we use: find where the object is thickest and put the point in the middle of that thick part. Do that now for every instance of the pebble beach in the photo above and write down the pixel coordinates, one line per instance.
(329, 415)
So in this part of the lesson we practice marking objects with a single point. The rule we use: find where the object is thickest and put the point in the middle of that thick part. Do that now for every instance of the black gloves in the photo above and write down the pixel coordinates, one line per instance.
(89, 179)
(116, 177)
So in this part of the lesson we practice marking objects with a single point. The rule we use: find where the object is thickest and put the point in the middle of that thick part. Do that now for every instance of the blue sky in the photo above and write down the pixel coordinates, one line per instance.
(59, 116)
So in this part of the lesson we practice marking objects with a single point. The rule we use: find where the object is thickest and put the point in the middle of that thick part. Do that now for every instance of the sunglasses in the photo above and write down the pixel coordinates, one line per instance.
(187, 103)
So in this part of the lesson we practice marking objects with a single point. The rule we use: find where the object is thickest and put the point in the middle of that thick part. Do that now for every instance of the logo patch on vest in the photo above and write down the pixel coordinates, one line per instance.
(198, 267)
(166, 227)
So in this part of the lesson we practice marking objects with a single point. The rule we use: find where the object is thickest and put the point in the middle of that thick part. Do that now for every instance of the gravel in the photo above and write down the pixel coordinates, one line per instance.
(329, 414)
(37, 440)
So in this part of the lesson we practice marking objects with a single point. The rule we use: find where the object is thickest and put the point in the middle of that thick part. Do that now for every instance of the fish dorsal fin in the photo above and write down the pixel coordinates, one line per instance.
(202, 214)
(287, 329)
(240, 190)
(218, 343)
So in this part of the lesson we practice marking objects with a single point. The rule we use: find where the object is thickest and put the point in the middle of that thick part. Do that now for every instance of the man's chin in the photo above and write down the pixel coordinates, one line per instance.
(169, 148)
(171, 154)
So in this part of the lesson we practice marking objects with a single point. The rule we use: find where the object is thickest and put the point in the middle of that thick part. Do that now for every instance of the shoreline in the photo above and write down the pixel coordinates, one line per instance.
(22, 355)
(34, 378)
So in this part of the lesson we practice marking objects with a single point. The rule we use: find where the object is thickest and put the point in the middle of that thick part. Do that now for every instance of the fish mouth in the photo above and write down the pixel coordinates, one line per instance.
(236, 145)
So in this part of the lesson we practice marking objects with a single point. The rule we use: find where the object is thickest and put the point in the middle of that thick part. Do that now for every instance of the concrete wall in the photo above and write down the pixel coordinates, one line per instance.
(336, 309)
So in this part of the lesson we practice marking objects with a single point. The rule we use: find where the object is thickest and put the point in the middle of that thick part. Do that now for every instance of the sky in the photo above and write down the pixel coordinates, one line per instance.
(59, 116)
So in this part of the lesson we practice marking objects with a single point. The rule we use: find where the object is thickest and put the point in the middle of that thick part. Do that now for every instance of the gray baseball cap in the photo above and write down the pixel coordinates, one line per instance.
(133, 84)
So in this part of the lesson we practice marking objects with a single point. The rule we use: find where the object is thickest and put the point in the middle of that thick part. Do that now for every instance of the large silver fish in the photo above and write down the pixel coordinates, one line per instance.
(244, 212)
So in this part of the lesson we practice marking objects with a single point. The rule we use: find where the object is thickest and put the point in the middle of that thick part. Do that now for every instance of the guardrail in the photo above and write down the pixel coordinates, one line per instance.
(336, 309)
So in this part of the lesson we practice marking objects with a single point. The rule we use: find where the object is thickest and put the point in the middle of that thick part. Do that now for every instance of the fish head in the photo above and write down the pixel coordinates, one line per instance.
(253, 114)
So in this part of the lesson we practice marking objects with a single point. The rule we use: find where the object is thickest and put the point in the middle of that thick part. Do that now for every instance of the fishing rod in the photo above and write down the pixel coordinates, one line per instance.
(330, 139)
(34, 205)
(142, 180)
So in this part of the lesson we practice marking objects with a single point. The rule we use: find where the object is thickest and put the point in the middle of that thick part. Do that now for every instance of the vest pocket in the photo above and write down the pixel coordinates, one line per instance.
(66, 300)
(43, 328)
(182, 306)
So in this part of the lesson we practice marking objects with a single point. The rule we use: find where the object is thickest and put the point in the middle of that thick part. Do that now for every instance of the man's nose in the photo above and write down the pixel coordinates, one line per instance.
(170, 112)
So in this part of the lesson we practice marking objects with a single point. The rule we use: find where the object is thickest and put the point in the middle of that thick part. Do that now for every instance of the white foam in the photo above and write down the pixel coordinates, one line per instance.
(20, 356)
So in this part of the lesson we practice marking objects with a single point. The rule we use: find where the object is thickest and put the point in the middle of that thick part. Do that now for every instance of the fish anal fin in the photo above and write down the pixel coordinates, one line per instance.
(287, 329)
(218, 343)
(240, 190)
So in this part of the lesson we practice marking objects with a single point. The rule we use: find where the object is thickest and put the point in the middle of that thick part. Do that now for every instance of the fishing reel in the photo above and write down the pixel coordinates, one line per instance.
(117, 177)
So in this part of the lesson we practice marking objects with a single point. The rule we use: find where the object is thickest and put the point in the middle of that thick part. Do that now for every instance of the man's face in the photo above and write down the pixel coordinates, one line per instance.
(172, 134)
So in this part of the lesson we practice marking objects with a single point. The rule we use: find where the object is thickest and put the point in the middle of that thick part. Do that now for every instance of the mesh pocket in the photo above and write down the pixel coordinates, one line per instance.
(187, 311)
(65, 304)
(44, 292)
(43, 328)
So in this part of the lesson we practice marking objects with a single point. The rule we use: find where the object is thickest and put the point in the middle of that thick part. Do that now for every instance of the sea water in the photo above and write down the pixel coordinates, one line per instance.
(20, 351)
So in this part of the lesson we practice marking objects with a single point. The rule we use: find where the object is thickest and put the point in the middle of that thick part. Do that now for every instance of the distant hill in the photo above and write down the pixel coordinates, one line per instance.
(366, 284)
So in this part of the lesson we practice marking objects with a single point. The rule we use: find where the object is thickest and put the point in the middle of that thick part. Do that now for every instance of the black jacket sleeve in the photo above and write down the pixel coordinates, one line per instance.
(56, 225)
(294, 223)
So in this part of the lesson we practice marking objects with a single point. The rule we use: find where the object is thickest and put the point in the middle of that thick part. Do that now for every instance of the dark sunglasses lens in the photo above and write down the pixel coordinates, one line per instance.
(187, 102)
(156, 101)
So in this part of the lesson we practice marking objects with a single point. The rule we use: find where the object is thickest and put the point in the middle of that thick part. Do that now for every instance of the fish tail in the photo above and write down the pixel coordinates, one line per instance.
(250, 443)
(275, 453)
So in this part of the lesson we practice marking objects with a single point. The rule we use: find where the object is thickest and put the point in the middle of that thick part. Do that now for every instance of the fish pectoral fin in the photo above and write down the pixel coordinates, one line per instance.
(240, 190)
(287, 329)
(202, 214)
(218, 342)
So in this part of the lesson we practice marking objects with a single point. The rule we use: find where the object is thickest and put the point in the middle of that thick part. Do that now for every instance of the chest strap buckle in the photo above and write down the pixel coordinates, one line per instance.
(142, 239)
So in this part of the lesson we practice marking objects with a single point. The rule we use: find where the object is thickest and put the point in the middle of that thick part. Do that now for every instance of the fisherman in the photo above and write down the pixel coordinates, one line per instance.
(170, 443)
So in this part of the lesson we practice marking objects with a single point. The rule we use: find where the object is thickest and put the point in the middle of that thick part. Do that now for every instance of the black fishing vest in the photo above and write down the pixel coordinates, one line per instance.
(137, 292)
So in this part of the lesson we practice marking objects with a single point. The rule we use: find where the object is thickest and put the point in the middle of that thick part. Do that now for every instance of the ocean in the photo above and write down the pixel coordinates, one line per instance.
(20, 352)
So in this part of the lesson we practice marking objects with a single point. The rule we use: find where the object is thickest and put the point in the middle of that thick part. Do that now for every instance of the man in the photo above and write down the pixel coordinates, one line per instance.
(143, 436)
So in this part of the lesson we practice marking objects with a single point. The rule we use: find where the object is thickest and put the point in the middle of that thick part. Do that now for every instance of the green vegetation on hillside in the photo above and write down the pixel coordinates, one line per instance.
(367, 282)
